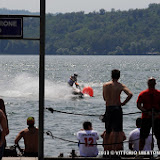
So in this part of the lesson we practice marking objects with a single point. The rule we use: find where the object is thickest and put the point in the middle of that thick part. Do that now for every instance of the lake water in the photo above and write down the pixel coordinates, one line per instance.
(19, 88)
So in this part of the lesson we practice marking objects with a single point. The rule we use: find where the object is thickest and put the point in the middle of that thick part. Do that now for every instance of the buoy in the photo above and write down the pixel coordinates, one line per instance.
(88, 90)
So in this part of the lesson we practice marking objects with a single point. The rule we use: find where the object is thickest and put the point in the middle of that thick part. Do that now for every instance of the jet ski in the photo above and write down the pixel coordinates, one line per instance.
(77, 92)
(87, 91)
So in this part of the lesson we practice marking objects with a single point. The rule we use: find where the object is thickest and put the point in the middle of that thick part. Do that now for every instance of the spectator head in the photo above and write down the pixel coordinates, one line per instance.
(151, 82)
(30, 121)
(87, 125)
(115, 74)
(138, 122)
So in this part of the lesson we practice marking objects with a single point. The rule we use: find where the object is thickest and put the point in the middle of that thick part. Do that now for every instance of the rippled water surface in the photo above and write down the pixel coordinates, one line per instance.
(19, 88)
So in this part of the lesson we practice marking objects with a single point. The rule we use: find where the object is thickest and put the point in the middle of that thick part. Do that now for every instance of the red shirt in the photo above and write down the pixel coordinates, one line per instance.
(150, 98)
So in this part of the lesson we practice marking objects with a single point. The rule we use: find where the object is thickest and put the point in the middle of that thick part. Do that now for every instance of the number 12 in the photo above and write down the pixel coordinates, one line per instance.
(88, 142)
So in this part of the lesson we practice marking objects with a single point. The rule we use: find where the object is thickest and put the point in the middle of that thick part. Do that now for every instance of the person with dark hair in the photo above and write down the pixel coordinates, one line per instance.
(87, 140)
(87, 125)
(113, 117)
(3, 132)
(115, 74)
(111, 95)
(134, 137)
(30, 136)
(3, 108)
(148, 101)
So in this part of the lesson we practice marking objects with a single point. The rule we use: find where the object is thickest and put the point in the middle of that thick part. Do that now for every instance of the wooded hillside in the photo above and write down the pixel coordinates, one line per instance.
(132, 32)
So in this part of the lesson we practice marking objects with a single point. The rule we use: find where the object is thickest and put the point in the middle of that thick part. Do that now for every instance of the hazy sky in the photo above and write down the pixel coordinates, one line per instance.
(63, 6)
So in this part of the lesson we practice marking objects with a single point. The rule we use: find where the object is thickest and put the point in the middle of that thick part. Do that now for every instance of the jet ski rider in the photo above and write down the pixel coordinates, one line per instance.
(72, 80)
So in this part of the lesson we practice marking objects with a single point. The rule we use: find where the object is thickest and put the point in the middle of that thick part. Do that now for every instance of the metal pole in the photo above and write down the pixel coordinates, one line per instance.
(41, 80)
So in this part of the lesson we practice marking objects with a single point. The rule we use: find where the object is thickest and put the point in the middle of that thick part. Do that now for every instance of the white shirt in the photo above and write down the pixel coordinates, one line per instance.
(135, 134)
(88, 137)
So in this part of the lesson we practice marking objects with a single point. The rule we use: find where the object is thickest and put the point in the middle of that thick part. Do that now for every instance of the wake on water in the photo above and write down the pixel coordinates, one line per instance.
(25, 85)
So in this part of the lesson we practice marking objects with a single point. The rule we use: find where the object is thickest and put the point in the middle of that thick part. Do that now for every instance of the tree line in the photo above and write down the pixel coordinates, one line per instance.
(132, 32)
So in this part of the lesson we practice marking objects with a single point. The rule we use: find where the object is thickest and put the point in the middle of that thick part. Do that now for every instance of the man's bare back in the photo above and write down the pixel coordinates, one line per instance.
(113, 117)
(30, 136)
(112, 91)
